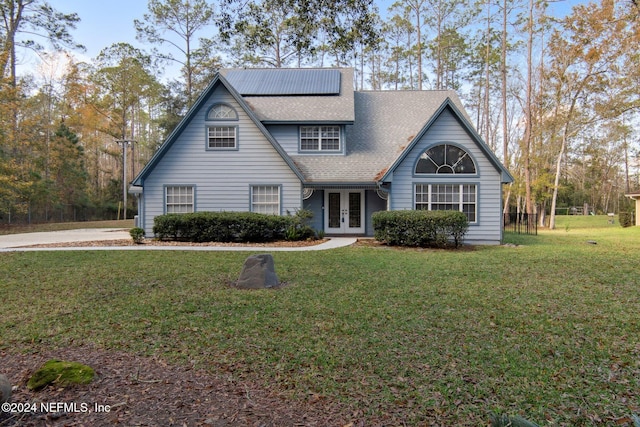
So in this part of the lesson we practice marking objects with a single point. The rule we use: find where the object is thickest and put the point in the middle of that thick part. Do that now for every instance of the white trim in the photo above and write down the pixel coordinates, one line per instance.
(344, 213)
(319, 138)
(223, 135)
(189, 199)
(256, 204)
(460, 193)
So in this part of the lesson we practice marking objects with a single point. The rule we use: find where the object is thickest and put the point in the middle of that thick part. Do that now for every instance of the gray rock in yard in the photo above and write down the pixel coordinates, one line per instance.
(259, 272)
(5, 389)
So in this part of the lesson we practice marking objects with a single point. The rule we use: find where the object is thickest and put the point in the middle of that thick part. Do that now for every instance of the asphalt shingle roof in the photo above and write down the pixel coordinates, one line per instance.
(327, 108)
(385, 123)
(379, 124)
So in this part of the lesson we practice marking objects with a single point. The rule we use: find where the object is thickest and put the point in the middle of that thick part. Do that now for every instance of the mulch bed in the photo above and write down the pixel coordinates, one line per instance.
(146, 391)
(153, 242)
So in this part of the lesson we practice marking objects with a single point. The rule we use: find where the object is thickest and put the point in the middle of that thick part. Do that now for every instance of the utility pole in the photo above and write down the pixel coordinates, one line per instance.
(124, 143)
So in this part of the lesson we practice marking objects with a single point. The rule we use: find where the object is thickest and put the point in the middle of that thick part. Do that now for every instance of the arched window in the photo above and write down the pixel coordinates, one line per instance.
(222, 112)
(445, 159)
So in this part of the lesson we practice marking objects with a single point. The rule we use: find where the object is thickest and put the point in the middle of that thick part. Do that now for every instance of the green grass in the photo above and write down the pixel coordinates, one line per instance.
(547, 330)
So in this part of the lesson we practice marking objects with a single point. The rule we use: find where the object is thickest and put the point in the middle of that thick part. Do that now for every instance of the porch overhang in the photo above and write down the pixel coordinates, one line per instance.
(135, 189)
(341, 185)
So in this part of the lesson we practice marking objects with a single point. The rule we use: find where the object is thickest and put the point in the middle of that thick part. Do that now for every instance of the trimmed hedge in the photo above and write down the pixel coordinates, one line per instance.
(420, 228)
(240, 227)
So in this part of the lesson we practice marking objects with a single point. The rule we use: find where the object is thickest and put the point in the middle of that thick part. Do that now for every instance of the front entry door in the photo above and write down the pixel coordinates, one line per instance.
(344, 211)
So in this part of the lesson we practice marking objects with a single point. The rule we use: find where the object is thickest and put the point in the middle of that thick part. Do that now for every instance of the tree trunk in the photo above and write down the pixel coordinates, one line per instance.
(487, 85)
(419, 49)
(556, 182)
(528, 113)
(503, 72)
(505, 121)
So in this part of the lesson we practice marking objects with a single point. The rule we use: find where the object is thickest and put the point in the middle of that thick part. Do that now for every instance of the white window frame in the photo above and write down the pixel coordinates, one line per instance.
(445, 165)
(266, 199)
(320, 137)
(222, 112)
(182, 202)
(460, 197)
(221, 136)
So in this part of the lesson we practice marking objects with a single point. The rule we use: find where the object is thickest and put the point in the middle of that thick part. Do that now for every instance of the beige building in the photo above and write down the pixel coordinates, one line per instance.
(636, 196)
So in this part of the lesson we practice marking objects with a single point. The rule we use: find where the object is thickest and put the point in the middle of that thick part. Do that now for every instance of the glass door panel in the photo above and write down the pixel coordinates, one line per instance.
(344, 212)
(334, 213)
(355, 208)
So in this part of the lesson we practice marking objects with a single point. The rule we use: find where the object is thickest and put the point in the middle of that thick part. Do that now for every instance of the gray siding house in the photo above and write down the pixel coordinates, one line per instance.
(278, 140)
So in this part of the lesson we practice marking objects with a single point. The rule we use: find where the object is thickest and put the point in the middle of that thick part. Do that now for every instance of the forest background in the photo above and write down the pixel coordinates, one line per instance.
(556, 97)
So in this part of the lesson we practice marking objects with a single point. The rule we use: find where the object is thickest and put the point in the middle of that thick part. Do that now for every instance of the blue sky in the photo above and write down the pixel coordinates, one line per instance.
(103, 22)
(106, 22)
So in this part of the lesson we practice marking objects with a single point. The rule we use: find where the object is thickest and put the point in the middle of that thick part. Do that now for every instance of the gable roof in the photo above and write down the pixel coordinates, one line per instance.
(382, 126)
(217, 80)
(505, 176)
(387, 125)
(334, 105)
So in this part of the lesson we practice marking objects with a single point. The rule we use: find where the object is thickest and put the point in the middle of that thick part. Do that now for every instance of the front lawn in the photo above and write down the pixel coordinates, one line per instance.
(547, 329)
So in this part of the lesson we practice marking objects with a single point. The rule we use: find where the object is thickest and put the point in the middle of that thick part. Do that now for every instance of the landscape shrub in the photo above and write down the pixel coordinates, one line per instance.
(238, 227)
(626, 219)
(299, 228)
(420, 228)
(137, 234)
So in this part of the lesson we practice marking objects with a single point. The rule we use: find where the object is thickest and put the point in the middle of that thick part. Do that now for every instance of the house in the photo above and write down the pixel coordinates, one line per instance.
(277, 140)
(635, 195)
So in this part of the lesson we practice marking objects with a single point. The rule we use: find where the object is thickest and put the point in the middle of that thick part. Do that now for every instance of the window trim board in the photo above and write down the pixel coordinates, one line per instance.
(278, 186)
(319, 150)
(164, 194)
(236, 128)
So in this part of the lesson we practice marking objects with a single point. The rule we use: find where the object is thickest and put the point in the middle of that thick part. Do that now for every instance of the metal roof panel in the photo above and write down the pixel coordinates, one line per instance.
(270, 82)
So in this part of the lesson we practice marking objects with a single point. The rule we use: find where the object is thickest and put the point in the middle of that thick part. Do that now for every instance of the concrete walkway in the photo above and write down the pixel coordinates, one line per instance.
(16, 242)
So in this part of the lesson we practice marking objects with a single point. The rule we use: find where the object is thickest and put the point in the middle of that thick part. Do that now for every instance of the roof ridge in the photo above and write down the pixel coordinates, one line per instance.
(404, 90)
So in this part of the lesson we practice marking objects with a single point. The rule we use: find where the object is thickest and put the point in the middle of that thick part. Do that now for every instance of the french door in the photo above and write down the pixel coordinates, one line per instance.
(344, 211)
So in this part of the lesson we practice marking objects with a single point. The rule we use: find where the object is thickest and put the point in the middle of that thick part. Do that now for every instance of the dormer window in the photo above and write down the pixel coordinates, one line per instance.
(320, 138)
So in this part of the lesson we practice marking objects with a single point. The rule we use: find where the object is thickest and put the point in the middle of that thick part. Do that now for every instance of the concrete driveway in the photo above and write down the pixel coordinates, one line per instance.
(17, 242)
(65, 236)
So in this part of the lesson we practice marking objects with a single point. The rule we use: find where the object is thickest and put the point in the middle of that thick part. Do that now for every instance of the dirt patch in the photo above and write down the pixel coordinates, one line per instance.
(133, 390)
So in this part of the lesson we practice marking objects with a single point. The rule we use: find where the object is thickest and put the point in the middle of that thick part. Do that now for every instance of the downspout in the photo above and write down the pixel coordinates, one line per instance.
(138, 192)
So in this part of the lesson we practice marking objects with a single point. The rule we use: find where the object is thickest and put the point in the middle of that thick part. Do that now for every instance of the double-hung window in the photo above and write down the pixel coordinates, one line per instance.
(320, 138)
(448, 197)
(222, 135)
(265, 199)
(179, 199)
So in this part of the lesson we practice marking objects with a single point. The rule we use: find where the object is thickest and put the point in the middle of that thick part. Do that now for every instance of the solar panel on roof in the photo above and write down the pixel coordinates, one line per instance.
(270, 82)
